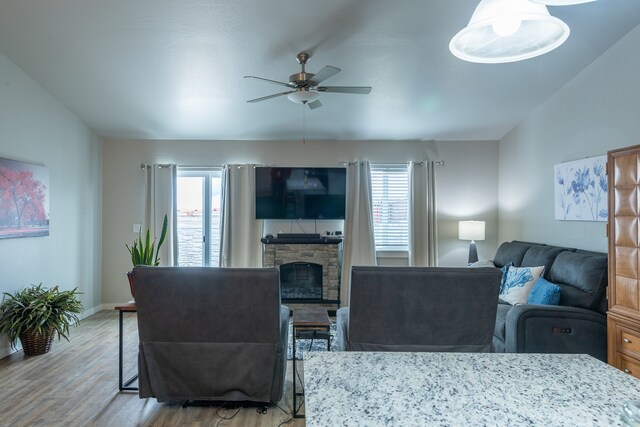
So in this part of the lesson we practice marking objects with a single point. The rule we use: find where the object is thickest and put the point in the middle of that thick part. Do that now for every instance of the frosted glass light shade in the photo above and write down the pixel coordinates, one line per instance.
(562, 2)
(508, 31)
(471, 230)
(303, 95)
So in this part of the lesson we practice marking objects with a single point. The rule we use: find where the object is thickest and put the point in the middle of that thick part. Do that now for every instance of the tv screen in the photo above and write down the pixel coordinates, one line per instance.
(300, 193)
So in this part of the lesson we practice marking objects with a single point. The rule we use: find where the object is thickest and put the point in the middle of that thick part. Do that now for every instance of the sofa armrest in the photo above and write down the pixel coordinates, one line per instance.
(342, 329)
(280, 372)
(555, 329)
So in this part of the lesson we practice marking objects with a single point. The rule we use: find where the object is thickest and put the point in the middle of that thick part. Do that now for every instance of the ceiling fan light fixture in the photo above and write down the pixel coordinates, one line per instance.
(562, 2)
(303, 95)
(508, 31)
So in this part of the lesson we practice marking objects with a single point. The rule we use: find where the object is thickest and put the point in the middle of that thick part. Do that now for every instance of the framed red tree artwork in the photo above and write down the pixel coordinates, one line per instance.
(24, 199)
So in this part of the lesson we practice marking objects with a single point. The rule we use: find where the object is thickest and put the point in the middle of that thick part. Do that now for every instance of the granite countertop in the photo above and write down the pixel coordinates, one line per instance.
(463, 389)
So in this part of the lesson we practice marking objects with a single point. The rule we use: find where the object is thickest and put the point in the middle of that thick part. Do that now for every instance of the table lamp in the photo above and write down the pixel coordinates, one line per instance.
(471, 230)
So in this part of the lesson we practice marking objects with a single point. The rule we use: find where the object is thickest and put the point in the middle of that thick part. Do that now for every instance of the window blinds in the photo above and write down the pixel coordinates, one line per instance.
(390, 198)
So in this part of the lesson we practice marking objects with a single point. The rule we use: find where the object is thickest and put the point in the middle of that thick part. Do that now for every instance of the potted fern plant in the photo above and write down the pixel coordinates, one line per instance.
(36, 314)
(145, 252)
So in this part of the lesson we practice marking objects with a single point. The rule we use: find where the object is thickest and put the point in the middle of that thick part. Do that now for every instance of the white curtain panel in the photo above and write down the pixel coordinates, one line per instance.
(423, 231)
(160, 200)
(241, 232)
(359, 246)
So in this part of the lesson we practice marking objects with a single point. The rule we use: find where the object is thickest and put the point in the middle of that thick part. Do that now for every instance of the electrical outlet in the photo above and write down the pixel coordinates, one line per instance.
(136, 228)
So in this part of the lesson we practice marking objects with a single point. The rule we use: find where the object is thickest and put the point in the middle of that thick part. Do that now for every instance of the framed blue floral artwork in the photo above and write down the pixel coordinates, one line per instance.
(580, 190)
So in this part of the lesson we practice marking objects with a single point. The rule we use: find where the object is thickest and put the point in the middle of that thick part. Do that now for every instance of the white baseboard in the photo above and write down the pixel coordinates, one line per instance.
(111, 305)
(89, 312)
(6, 350)
(5, 347)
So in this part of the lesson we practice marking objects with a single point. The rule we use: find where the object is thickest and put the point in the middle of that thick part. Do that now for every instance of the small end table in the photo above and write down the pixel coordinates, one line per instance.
(308, 323)
(129, 307)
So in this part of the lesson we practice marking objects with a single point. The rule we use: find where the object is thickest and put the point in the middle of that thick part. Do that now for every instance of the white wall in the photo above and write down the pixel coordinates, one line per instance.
(467, 185)
(597, 111)
(35, 128)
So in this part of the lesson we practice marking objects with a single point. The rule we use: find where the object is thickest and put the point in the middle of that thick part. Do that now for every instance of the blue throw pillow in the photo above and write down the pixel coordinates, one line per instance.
(544, 292)
(505, 270)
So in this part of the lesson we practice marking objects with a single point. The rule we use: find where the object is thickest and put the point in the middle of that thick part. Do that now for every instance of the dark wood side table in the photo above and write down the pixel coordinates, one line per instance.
(129, 307)
(308, 323)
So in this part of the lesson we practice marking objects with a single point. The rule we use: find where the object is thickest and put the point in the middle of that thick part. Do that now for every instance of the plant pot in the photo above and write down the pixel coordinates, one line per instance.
(35, 344)
(131, 287)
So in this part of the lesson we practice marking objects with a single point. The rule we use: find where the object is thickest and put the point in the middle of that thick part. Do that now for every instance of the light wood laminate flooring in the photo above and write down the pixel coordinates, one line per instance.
(76, 384)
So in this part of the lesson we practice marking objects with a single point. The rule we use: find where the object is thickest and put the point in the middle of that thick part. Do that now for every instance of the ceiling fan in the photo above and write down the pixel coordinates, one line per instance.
(305, 86)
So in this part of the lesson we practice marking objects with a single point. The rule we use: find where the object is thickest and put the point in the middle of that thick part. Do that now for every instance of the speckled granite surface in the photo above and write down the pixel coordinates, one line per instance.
(463, 389)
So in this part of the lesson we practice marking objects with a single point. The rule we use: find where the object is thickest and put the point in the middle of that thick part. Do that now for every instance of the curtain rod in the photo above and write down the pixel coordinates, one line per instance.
(166, 165)
(438, 163)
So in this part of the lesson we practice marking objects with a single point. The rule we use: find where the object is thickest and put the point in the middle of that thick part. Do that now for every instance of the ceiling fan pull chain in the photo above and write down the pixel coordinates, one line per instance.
(304, 125)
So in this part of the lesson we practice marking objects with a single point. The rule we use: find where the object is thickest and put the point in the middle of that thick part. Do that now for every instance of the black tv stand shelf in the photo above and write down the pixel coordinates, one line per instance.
(310, 239)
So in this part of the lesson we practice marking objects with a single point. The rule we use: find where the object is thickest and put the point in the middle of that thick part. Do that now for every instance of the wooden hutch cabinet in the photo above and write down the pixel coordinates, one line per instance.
(623, 317)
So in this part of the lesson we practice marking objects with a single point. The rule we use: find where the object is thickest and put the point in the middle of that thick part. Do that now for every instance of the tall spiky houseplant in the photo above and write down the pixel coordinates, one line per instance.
(35, 314)
(145, 252)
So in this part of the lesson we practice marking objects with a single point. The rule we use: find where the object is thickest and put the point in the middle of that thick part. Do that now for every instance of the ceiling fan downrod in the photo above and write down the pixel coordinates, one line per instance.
(302, 79)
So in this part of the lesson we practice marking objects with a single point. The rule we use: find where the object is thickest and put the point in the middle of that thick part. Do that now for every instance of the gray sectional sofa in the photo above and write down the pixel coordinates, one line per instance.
(578, 324)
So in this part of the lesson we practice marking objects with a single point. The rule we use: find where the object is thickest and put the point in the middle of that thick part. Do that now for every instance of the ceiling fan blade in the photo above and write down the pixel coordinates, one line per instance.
(264, 98)
(315, 104)
(362, 90)
(275, 82)
(324, 74)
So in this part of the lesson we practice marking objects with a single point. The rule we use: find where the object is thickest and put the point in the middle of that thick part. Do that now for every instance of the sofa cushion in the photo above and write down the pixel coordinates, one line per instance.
(542, 255)
(518, 284)
(582, 277)
(510, 252)
(501, 317)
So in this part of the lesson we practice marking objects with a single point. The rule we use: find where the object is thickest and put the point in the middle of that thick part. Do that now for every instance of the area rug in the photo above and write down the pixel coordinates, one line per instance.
(304, 346)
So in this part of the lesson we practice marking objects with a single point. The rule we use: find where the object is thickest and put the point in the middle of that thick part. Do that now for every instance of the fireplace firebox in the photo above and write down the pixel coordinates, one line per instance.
(301, 281)
(319, 262)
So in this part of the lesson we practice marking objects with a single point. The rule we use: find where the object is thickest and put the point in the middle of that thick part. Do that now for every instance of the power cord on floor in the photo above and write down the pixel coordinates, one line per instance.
(224, 417)
(285, 421)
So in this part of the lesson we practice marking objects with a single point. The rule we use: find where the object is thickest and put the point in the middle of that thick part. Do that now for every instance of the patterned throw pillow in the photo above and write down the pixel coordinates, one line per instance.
(504, 269)
(544, 292)
(518, 284)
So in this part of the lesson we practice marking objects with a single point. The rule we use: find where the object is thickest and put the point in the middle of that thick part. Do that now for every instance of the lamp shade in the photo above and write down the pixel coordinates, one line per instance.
(303, 95)
(471, 230)
(508, 31)
(562, 2)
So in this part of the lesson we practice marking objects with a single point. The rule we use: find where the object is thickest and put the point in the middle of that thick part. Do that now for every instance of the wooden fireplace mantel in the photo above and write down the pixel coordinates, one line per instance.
(328, 240)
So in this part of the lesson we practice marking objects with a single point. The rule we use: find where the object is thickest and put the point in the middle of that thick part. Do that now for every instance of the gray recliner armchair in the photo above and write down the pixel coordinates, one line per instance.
(419, 309)
(211, 334)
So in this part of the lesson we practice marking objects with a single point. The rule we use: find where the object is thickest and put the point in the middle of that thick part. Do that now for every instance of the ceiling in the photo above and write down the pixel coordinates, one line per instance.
(165, 69)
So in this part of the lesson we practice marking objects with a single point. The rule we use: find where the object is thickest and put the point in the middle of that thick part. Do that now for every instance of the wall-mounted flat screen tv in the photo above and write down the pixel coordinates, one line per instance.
(300, 193)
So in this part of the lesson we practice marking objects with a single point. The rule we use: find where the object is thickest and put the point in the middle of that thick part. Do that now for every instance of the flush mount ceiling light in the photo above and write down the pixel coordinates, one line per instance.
(562, 2)
(508, 31)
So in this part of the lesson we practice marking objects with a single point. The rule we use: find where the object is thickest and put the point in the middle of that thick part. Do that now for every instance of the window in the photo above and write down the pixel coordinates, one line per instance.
(390, 198)
(198, 201)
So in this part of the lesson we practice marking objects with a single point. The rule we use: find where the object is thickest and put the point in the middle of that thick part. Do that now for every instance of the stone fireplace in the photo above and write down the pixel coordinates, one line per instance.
(309, 269)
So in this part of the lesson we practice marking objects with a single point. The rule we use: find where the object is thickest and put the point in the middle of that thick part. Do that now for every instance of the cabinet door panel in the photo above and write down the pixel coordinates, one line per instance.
(626, 262)
(626, 201)
(626, 170)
